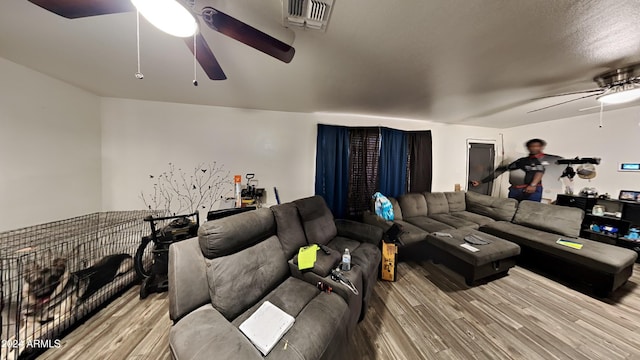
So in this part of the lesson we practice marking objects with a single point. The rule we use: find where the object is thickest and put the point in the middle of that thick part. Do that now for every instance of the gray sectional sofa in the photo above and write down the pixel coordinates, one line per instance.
(534, 227)
(220, 278)
(420, 214)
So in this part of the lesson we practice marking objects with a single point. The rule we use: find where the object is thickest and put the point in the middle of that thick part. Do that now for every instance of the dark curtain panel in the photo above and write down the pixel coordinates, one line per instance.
(393, 162)
(364, 147)
(420, 161)
(332, 167)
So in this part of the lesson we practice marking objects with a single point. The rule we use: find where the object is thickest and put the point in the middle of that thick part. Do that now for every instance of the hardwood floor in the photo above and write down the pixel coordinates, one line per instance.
(427, 314)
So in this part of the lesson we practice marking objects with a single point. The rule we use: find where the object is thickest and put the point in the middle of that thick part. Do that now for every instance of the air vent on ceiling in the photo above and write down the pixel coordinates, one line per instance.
(311, 14)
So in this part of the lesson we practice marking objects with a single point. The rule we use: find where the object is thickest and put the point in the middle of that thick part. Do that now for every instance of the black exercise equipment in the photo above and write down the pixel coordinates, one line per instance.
(153, 271)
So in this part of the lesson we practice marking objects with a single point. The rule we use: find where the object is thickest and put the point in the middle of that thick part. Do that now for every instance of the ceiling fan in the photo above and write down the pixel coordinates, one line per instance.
(151, 9)
(614, 87)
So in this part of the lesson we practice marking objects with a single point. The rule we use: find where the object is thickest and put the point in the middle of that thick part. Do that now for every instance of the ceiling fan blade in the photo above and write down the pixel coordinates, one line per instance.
(569, 93)
(247, 34)
(608, 106)
(72, 9)
(205, 58)
(604, 106)
(564, 102)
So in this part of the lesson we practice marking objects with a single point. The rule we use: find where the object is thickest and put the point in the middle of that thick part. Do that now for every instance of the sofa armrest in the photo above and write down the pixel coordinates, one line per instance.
(188, 287)
(359, 231)
(323, 266)
(372, 219)
(206, 334)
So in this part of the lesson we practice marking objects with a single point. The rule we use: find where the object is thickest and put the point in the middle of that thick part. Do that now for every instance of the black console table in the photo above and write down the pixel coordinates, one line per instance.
(629, 212)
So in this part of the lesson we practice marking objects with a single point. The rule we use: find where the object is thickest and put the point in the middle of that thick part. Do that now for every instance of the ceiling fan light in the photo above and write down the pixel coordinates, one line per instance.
(168, 15)
(620, 94)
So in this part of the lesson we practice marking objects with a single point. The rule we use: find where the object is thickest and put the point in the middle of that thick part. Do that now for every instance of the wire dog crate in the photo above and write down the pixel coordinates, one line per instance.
(54, 274)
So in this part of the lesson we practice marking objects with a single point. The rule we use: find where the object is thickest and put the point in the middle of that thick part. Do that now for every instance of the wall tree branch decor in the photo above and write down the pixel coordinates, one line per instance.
(181, 191)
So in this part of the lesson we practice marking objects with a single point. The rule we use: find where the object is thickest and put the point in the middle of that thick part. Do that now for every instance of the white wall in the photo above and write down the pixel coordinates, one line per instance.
(140, 137)
(49, 148)
(617, 141)
(66, 152)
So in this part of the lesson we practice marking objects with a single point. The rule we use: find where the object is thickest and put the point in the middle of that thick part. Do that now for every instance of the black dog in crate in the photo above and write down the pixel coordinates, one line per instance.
(153, 266)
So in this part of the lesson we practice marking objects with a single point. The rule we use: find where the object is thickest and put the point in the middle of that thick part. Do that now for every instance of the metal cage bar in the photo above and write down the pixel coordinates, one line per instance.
(54, 274)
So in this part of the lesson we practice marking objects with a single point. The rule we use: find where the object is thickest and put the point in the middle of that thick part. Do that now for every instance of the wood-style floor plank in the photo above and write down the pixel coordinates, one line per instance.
(427, 314)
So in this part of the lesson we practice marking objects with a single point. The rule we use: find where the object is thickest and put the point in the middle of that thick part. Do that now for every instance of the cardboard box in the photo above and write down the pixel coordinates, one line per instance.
(389, 261)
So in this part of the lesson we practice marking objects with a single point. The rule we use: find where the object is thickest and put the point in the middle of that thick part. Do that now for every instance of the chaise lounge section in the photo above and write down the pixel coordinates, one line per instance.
(536, 227)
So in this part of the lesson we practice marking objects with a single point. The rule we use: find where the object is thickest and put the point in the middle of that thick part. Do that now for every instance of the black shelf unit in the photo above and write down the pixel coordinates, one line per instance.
(629, 218)
(581, 202)
(620, 224)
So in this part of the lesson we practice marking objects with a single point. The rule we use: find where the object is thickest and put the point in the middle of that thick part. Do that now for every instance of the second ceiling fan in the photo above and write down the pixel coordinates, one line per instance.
(215, 19)
(614, 87)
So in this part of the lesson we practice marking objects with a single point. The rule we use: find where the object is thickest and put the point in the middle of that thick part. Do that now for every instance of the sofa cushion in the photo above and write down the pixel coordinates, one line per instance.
(411, 234)
(456, 200)
(359, 231)
(475, 218)
(354, 301)
(188, 278)
(317, 220)
(318, 331)
(370, 218)
(291, 297)
(595, 255)
(201, 332)
(239, 280)
(493, 207)
(231, 234)
(397, 210)
(436, 203)
(561, 220)
(289, 228)
(428, 224)
(413, 205)
(320, 317)
(454, 221)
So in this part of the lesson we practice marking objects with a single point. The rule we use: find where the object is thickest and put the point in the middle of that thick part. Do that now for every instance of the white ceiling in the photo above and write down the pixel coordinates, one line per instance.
(458, 61)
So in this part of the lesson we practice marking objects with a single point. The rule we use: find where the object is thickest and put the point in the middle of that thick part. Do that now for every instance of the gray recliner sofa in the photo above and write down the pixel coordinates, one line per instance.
(220, 278)
(362, 240)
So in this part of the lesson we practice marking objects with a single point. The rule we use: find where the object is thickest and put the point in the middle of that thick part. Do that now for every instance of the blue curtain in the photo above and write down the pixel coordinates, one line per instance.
(393, 162)
(332, 167)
